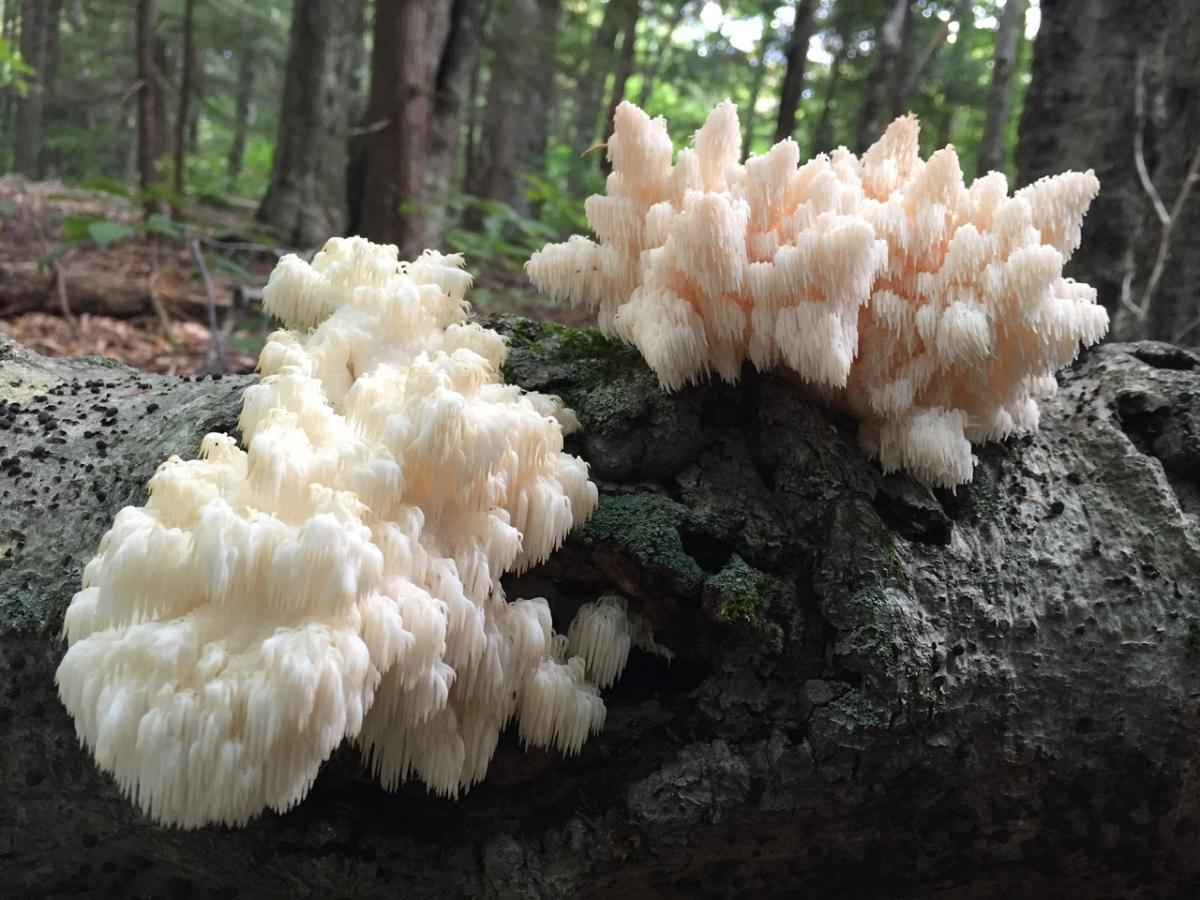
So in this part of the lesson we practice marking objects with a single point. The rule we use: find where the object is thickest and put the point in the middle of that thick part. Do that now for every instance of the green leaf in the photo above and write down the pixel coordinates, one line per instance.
(104, 232)
(163, 226)
(227, 266)
(7, 207)
(75, 228)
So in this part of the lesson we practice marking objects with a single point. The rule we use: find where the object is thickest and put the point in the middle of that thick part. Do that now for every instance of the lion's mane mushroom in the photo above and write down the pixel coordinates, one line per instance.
(936, 312)
(340, 576)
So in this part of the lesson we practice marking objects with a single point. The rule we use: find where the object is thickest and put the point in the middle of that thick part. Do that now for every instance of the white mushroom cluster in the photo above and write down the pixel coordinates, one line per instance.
(936, 312)
(340, 575)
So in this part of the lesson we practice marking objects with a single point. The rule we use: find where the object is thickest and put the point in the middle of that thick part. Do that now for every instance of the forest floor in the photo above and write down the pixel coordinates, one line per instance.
(83, 272)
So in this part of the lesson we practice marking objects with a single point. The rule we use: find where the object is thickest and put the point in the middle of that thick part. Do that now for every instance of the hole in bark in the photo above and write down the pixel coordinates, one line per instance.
(1149, 422)
(708, 552)
(1166, 356)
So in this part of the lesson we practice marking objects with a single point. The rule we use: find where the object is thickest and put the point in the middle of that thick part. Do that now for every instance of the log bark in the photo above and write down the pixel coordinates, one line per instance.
(878, 690)
(28, 287)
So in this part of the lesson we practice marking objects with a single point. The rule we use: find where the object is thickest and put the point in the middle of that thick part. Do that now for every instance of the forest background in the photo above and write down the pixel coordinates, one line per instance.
(164, 153)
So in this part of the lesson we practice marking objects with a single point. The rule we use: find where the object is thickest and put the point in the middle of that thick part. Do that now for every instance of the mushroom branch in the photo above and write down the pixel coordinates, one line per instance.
(338, 575)
(934, 312)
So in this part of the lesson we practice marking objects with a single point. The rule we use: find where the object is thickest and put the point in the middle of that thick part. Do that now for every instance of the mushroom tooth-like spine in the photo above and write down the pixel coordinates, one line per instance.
(340, 576)
(600, 635)
(885, 282)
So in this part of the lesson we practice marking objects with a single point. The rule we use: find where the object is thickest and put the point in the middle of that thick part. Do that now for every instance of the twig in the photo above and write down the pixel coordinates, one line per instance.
(214, 357)
(64, 304)
(1178, 337)
(164, 320)
(1160, 261)
(247, 246)
(1139, 138)
(1166, 218)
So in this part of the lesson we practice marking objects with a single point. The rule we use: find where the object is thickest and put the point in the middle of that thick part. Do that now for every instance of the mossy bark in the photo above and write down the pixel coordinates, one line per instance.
(877, 690)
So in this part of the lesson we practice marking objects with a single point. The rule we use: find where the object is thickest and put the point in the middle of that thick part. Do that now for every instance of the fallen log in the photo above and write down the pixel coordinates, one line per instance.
(27, 287)
(878, 689)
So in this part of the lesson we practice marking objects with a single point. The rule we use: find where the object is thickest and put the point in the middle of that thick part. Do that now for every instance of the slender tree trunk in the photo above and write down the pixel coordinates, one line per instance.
(590, 94)
(518, 99)
(27, 137)
(243, 116)
(793, 79)
(306, 200)
(756, 81)
(398, 112)
(456, 72)
(883, 98)
(624, 69)
(822, 141)
(151, 121)
(183, 113)
(1000, 96)
(8, 31)
(474, 102)
(654, 66)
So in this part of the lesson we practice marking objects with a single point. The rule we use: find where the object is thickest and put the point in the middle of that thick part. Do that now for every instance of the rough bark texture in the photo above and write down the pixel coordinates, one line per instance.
(793, 78)
(878, 690)
(1000, 94)
(1080, 113)
(306, 199)
(397, 144)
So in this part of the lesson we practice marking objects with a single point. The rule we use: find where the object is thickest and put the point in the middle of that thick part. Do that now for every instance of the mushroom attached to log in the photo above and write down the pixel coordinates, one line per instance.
(935, 312)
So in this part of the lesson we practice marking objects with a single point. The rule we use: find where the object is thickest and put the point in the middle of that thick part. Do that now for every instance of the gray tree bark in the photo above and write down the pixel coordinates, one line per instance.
(878, 690)
(307, 196)
(1081, 112)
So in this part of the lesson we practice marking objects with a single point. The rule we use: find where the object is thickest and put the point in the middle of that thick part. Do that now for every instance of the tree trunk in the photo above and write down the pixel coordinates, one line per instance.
(151, 120)
(883, 100)
(1000, 95)
(243, 115)
(589, 94)
(306, 200)
(793, 79)
(1088, 57)
(456, 71)
(624, 69)
(399, 113)
(823, 134)
(655, 63)
(183, 113)
(877, 690)
(756, 81)
(518, 99)
(27, 135)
